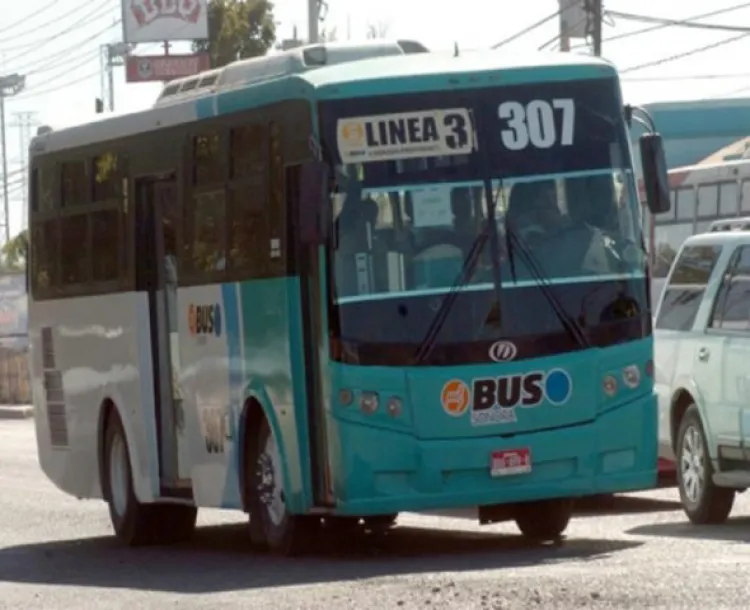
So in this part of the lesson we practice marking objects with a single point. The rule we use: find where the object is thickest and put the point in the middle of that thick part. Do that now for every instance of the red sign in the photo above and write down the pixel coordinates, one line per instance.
(512, 461)
(149, 68)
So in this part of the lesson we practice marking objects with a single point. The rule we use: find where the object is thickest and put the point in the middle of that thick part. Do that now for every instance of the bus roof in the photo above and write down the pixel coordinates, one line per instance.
(412, 72)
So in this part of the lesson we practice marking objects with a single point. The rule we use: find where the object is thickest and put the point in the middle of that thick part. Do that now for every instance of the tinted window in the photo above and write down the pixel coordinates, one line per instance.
(732, 306)
(208, 227)
(679, 308)
(208, 160)
(107, 177)
(695, 265)
(74, 239)
(76, 183)
(683, 295)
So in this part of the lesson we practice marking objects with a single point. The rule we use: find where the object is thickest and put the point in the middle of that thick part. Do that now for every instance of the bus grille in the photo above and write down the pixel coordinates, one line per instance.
(53, 392)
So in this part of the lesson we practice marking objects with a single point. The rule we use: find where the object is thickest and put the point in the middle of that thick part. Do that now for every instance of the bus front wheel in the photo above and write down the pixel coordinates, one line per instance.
(138, 524)
(545, 520)
(271, 525)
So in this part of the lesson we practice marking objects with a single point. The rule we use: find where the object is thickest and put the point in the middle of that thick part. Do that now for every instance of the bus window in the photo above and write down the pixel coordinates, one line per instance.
(728, 199)
(685, 204)
(708, 201)
(745, 201)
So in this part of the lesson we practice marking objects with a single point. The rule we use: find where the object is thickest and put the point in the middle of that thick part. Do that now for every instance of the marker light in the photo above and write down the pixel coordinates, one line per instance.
(368, 402)
(631, 376)
(610, 385)
(346, 397)
(649, 368)
(394, 406)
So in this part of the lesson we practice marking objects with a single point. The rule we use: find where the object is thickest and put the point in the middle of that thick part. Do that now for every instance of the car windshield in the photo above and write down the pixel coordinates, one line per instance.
(404, 228)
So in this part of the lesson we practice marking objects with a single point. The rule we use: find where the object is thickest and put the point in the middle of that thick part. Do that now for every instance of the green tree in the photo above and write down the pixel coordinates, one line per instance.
(14, 252)
(237, 29)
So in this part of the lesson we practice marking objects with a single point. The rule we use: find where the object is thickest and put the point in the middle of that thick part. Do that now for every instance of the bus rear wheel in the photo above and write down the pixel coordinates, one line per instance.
(134, 523)
(271, 525)
(544, 520)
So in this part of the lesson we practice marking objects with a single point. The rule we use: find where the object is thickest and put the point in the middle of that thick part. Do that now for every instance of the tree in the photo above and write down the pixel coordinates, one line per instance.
(14, 252)
(237, 29)
(378, 30)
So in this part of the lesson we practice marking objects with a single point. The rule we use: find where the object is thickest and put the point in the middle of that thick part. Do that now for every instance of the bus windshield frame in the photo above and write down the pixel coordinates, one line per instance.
(478, 139)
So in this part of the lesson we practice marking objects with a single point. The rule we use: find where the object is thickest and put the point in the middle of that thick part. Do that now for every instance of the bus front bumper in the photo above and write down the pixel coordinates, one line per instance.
(388, 472)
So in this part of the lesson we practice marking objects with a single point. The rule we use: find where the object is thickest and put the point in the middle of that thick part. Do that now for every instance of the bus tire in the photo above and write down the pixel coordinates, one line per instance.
(134, 523)
(544, 520)
(705, 503)
(282, 533)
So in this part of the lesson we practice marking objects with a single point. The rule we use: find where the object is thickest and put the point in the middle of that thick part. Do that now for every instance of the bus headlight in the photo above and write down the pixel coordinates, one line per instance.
(368, 402)
(609, 383)
(394, 406)
(631, 376)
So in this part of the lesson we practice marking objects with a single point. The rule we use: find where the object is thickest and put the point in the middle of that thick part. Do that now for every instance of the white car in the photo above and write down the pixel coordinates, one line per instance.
(702, 372)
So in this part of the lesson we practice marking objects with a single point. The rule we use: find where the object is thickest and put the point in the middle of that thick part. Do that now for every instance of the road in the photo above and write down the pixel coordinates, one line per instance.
(56, 552)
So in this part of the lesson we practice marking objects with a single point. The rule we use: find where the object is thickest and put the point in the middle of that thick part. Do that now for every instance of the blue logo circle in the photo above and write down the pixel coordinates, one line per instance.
(217, 320)
(558, 386)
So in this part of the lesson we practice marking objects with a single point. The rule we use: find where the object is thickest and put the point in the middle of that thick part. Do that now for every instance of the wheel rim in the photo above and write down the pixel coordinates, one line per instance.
(118, 475)
(270, 485)
(692, 465)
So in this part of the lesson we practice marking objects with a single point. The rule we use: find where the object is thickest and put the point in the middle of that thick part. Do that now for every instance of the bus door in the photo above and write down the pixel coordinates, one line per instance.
(157, 220)
(309, 263)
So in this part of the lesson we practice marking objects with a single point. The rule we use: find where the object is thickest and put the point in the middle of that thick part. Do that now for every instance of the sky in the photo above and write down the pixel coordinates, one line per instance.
(57, 45)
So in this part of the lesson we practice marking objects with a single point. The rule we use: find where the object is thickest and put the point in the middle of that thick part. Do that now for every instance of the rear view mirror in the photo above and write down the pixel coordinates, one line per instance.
(655, 179)
(312, 203)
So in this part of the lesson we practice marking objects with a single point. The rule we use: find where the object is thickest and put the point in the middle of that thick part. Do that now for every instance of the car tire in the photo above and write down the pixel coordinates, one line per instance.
(703, 501)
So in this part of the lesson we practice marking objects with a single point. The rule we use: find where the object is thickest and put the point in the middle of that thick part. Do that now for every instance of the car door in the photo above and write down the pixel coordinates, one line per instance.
(730, 320)
(680, 335)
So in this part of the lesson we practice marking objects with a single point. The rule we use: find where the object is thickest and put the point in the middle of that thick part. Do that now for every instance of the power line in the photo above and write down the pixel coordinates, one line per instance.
(680, 22)
(526, 30)
(702, 49)
(662, 26)
(27, 17)
(97, 13)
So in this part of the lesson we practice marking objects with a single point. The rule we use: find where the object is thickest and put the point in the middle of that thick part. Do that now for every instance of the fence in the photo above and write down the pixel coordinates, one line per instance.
(15, 385)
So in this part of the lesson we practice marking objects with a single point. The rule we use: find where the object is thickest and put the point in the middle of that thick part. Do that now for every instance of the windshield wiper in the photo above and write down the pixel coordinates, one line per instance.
(568, 321)
(467, 270)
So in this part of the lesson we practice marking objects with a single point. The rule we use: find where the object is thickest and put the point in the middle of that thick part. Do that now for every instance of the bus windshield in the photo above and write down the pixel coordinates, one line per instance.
(404, 228)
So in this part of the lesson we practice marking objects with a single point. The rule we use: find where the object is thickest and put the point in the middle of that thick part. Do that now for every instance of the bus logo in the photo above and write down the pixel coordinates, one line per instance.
(353, 133)
(503, 351)
(204, 320)
(455, 397)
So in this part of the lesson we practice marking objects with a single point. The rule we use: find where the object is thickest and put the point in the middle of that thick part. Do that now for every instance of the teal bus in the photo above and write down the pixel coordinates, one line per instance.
(342, 282)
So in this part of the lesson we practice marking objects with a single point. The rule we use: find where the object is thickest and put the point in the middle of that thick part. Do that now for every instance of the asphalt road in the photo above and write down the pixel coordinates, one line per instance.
(56, 552)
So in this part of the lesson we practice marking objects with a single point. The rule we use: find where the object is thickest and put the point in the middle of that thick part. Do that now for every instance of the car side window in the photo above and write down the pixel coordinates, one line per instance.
(731, 310)
(687, 285)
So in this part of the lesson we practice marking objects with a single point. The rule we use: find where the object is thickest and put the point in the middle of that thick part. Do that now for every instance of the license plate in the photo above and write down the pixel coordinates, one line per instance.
(512, 461)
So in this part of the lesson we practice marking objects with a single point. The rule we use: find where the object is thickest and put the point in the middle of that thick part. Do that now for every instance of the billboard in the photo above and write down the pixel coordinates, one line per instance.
(148, 68)
(13, 309)
(164, 20)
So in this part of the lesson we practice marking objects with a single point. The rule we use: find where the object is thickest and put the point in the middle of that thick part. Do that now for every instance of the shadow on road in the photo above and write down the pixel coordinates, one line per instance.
(734, 530)
(594, 506)
(218, 559)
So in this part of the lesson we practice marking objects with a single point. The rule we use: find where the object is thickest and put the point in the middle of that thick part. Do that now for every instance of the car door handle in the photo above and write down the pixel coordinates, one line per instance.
(703, 354)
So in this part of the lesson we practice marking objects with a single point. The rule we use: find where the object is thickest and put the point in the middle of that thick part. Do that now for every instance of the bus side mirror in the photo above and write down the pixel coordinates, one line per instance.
(312, 203)
(655, 179)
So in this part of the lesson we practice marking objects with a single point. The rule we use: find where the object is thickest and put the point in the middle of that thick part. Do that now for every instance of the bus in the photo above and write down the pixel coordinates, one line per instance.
(331, 287)
(701, 194)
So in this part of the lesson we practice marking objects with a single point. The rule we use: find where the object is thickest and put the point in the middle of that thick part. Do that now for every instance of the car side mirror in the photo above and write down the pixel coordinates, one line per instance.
(312, 203)
(655, 178)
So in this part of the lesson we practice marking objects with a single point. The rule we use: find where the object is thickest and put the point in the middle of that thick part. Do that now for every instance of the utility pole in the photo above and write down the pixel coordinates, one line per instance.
(24, 122)
(313, 17)
(112, 56)
(10, 85)
(595, 20)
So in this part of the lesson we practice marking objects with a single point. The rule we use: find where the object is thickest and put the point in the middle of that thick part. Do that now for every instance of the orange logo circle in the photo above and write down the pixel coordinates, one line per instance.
(455, 397)
(352, 132)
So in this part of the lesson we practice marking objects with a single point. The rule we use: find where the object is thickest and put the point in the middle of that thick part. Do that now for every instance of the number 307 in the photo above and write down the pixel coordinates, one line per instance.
(535, 123)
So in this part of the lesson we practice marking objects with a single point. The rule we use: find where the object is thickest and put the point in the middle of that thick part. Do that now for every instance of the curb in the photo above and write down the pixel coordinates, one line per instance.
(16, 412)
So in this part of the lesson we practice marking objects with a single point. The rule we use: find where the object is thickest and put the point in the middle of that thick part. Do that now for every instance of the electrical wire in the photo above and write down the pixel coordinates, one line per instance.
(679, 22)
(526, 30)
(664, 60)
(97, 13)
(46, 7)
(662, 26)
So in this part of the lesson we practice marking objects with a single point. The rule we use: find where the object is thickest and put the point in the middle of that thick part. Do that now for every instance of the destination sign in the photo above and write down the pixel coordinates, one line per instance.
(405, 135)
